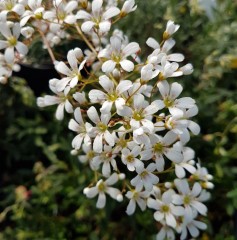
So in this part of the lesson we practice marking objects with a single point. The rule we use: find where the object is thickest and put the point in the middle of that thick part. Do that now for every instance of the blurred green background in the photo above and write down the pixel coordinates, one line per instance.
(41, 184)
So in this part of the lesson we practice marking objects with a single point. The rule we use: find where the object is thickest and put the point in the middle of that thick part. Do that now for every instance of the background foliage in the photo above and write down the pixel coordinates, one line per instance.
(41, 184)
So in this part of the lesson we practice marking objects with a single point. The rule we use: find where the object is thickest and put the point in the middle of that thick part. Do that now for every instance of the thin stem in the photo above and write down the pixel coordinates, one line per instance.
(133, 93)
(86, 40)
(51, 54)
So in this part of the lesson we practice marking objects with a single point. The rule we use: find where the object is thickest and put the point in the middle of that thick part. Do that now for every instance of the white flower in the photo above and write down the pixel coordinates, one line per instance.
(98, 19)
(145, 178)
(11, 41)
(161, 53)
(203, 175)
(88, 157)
(171, 28)
(59, 99)
(128, 6)
(107, 158)
(62, 12)
(168, 69)
(190, 199)
(140, 114)
(186, 164)
(136, 197)
(116, 55)
(101, 130)
(186, 69)
(103, 187)
(130, 159)
(191, 225)
(7, 65)
(165, 233)
(7, 6)
(35, 11)
(148, 73)
(170, 101)
(73, 75)
(27, 31)
(180, 123)
(81, 128)
(80, 97)
(162, 146)
(165, 209)
(114, 95)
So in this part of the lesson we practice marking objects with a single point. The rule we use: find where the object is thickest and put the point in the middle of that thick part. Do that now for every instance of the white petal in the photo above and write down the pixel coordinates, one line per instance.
(174, 155)
(130, 49)
(77, 141)
(131, 207)
(194, 127)
(164, 88)
(106, 83)
(104, 26)
(101, 201)
(123, 86)
(151, 42)
(170, 220)
(116, 43)
(61, 84)
(78, 116)
(60, 111)
(200, 207)
(175, 57)
(108, 66)
(111, 12)
(72, 5)
(93, 115)
(109, 138)
(179, 171)
(175, 90)
(73, 125)
(96, 96)
(83, 15)
(16, 30)
(106, 171)
(158, 216)
(3, 44)
(97, 145)
(5, 30)
(87, 26)
(127, 65)
(96, 5)
(63, 68)
(68, 106)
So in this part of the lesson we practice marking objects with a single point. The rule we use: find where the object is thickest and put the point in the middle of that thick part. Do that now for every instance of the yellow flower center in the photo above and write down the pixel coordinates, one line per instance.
(130, 158)
(12, 41)
(165, 208)
(61, 15)
(187, 200)
(158, 148)
(90, 154)
(102, 127)
(116, 57)
(137, 116)
(168, 102)
(144, 174)
(112, 97)
(9, 5)
(39, 15)
(101, 187)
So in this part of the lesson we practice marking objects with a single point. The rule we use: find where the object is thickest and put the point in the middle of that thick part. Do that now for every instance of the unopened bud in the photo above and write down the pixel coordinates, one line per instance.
(119, 198)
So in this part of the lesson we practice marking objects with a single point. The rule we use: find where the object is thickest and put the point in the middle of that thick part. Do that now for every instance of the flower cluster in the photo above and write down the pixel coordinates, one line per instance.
(131, 123)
